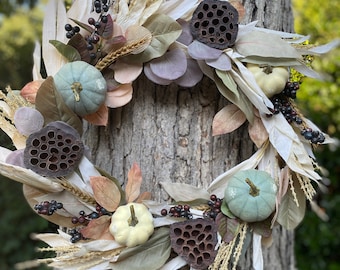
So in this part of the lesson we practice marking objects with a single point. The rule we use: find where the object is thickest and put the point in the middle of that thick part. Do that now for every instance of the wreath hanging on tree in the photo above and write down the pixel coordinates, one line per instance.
(92, 53)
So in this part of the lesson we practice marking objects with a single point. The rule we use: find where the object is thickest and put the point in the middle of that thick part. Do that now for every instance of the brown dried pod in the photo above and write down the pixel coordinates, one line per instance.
(195, 241)
(215, 23)
(53, 151)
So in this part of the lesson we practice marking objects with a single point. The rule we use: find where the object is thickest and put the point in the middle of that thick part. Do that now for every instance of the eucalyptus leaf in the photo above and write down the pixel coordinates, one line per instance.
(150, 255)
(273, 61)
(69, 52)
(52, 106)
(79, 43)
(228, 228)
(164, 32)
(181, 192)
(290, 213)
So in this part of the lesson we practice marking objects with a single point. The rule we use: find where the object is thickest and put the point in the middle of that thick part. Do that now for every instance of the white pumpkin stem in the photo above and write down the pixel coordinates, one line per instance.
(266, 68)
(254, 191)
(76, 87)
(133, 220)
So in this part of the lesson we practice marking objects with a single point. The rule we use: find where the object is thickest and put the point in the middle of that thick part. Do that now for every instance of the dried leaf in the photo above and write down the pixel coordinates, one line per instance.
(52, 106)
(105, 192)
(226, 211)
(192, 75)
(201, 51)
(152, 77)
(69, 52)
(290, 215)
(144, 196)
(263, 227)
(125, 73)
(132, 189)
(227, 120)
(257, 132)
(29, 91)
(157, 251)
(98, 228)
(263, 44)
(222, 63)
(228, 228)
(85, 26)
(106, 29)
(181, 192)
(79, 43)
(164, 32)
(100, 117)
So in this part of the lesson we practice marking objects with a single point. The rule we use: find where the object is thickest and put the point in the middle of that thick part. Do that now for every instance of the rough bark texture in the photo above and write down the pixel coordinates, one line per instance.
(167, 131)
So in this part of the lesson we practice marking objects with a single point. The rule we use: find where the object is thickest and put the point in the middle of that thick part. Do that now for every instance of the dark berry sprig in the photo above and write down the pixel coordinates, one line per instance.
(214, 207)
(71, 30)
(290, 89)
(178, 211)
(48, 208)
(84, 219)
(75, 235)
(314, 136)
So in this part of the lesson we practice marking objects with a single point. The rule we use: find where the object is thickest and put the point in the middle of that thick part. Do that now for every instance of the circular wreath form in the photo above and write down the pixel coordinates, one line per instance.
(105, 50)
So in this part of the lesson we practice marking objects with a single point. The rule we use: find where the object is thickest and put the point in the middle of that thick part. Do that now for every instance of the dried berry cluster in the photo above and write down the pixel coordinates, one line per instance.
(84, 219)
(48, 208)
(178, 211)
(75, 235)
(214, 207)
(283, 104)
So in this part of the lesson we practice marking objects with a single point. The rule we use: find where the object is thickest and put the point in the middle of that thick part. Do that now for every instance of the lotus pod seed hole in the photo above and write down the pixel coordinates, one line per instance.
(198, 226)
(207, 228)
(200, 237)
(42, 165)
(63, 166)
(34, 161)
(199, 260)
(53, 167)
(33, 152)
(209, 237)
(179, 241)
(43, 155)
(75, 148)
(191, 243)
(210, 247)
(50, 134)
(43, 147)
(195, 233)
(201, 246)
(76, 88)
(178, 231)
(63, 157)
(253, 191)
(188, 227)
(35, 142)
(186, 235)
(206, 255)
(196, 251)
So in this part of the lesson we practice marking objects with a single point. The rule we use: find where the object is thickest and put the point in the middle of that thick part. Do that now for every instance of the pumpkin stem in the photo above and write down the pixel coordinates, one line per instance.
(133, 221)
(76, 87)
(254, 191)
(266, 68)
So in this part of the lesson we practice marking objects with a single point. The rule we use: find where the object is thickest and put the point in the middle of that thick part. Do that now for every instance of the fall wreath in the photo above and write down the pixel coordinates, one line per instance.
(92, 53)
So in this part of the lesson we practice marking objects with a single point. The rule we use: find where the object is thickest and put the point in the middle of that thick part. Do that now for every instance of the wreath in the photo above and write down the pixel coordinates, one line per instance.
(92, 53)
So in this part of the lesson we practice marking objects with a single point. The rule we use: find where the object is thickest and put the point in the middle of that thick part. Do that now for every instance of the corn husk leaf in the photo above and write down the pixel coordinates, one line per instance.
(134, 182)
(157, 249)
(52, 106)
(105, 192)
(227, 120)
(257, 132)
(181, 192)
(31, 193)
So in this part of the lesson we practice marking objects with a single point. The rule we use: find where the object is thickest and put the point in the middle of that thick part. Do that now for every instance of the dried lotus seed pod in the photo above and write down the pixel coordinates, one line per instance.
(53, 151)
(28, 120)
(195, 240)
(215, 23)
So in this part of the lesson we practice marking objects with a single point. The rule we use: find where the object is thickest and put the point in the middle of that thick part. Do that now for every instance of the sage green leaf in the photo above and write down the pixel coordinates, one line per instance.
(226, 211)
(271, 61)
(164, 32)
(69, 52)
(52, 106)
(150, 255)
(258, 43)
(228, 88)
(290, 213)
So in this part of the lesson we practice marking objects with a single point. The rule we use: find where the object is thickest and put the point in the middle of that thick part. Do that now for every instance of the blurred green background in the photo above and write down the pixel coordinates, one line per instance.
(317, 242)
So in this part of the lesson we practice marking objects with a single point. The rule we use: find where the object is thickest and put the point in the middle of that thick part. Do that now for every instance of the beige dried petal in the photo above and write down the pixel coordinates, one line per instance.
(98, 229)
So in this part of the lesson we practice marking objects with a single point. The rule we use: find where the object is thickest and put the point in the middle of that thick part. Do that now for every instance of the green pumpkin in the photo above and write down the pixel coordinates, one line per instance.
(251, 195)
(82, 86)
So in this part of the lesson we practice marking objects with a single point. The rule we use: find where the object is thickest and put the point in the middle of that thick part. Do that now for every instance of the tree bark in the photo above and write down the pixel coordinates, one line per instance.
(167, 131)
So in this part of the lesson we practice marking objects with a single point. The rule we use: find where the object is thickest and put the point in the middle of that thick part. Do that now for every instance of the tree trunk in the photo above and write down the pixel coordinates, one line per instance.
(167, 131)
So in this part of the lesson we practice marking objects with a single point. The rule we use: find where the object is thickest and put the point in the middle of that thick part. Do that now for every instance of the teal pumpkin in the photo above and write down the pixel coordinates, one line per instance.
(82, 87)
(251, 195)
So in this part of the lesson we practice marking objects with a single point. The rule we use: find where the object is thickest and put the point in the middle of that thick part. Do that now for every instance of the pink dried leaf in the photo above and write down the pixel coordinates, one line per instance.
(192, 75)
(132, 189)
(227, 120)
(29, 91)
(98, 229)
(153, 77)
(119, 96)
(126, 72)
(200, 51)
(106, 192)
(257, 132)
(100, 117)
